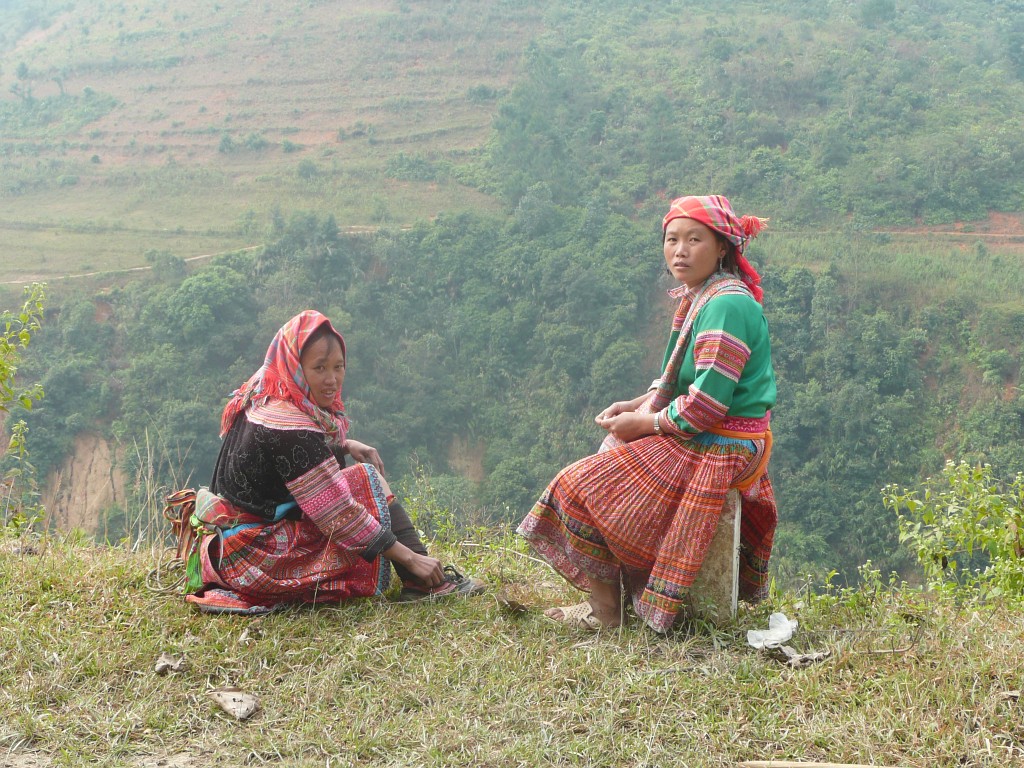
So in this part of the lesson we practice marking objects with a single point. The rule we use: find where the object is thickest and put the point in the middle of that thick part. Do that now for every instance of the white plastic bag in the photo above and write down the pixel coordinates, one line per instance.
(780, 629)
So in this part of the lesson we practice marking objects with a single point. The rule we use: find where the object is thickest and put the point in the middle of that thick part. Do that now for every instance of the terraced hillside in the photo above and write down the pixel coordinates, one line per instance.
(182, 127)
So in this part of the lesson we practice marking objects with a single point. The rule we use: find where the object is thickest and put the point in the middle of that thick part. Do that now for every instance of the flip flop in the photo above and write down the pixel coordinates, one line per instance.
(579, 616)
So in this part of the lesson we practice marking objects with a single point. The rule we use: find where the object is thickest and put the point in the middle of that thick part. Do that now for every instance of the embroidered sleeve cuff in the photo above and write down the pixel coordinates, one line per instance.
(696, 411)
(382, 541)
(673, 424)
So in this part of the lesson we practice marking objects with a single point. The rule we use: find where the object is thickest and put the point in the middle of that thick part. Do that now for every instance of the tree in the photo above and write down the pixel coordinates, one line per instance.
(16, 331)
(876, 12)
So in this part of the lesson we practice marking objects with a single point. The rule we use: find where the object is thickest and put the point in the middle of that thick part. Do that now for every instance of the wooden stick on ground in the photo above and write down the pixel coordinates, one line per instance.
(789, 764)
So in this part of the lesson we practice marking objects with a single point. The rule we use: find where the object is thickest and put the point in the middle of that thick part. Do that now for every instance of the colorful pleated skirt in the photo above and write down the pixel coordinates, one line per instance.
(646, 512)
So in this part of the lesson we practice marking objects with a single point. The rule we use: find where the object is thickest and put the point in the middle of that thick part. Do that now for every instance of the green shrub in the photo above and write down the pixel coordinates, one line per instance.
(966, 529)
(307, 170)
(256, 142)
(480, 94)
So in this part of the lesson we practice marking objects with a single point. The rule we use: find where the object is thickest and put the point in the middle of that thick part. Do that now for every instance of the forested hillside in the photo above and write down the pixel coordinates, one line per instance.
(482, 342)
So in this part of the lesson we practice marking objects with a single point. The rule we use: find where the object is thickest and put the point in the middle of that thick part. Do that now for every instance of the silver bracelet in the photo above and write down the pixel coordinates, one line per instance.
(657, 423)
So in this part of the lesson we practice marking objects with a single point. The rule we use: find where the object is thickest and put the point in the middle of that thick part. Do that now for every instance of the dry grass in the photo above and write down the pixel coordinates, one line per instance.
(910, 682)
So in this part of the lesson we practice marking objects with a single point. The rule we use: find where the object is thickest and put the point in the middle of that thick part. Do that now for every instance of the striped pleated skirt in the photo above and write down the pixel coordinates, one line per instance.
(646, 511)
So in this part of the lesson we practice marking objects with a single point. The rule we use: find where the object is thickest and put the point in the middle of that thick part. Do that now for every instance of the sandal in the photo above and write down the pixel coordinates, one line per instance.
(454, 584)
(218, 600)
(579, 616)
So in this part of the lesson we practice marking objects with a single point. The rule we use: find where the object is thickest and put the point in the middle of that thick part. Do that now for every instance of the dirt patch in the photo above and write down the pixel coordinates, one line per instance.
(467, 458)
(1007, 223)
(88, 483)
(996, 226)
(25, 760)
(104, 310)
(182, 760)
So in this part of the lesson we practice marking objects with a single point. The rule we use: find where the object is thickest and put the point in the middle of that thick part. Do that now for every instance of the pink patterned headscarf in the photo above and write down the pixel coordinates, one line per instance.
(715, 211)
(281, 378)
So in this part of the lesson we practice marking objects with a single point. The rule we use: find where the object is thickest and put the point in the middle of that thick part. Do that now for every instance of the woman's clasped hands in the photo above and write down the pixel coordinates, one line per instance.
(622, 421)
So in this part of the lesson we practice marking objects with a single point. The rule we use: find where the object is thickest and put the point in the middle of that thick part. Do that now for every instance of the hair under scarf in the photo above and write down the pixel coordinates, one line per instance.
(281, 378)
(715, 211)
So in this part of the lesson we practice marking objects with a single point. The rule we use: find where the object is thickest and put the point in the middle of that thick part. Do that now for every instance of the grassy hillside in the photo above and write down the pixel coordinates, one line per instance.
(909, 682)
(179, 127)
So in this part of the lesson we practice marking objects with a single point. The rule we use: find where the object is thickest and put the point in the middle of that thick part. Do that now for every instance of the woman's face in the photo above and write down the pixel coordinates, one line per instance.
(692, 251)
(323, 365)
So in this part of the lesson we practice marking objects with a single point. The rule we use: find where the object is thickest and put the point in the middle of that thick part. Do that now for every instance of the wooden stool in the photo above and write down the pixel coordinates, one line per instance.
(715, 592)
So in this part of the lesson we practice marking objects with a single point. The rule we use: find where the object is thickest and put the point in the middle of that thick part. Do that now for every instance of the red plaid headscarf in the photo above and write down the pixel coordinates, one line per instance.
(281, 378)
(715, 211)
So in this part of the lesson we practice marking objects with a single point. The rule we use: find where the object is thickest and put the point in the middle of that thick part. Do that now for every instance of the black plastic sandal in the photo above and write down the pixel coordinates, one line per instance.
(454, 585)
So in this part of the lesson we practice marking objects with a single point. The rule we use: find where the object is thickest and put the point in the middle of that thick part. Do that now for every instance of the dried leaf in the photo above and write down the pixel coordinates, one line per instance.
(169, 663)
(798, 660)
(236, 702)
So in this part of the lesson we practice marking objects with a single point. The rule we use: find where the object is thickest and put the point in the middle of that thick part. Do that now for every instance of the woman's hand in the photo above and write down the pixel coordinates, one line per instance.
(427, 570)
(612, 410)
(623, 406)
(628, 426)
(364, 454)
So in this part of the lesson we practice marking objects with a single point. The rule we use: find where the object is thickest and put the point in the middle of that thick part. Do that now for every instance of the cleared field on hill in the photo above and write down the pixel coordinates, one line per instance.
(217, 116)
